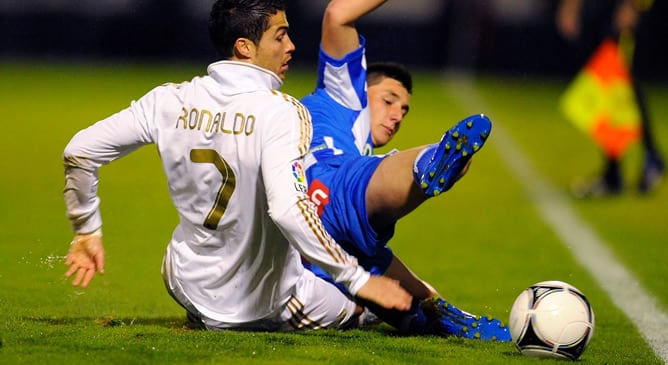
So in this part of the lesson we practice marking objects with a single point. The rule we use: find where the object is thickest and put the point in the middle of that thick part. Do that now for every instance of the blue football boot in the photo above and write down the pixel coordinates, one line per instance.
(447, 320)
(440, 165)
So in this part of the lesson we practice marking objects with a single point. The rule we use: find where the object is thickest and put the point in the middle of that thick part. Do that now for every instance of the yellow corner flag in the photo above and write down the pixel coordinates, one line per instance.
(601, 103)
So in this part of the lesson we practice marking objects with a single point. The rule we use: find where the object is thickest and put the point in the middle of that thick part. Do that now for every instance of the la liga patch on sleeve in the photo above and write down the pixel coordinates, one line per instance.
(300, 177)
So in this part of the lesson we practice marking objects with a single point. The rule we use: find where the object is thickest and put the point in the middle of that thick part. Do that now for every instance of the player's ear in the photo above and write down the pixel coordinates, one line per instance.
(244, 48)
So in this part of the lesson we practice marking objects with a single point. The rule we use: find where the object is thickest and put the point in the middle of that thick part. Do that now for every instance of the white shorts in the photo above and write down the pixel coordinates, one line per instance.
(315, 304)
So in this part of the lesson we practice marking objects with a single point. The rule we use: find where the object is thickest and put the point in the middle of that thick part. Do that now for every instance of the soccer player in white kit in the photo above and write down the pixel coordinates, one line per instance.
(232, 147)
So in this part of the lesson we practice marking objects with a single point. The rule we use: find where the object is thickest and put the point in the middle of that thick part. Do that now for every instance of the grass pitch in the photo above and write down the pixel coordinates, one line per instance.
(479, 245)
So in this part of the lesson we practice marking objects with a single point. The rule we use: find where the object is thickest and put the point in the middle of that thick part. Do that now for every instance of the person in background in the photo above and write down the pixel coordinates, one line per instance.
(587, 23)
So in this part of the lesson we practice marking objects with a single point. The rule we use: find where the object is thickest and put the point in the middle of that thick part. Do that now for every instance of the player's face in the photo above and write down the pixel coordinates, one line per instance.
(275, 48)
(388, 104)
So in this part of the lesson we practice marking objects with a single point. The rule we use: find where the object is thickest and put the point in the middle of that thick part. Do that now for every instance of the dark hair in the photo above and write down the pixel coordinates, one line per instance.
(233, 19)
(377, 70)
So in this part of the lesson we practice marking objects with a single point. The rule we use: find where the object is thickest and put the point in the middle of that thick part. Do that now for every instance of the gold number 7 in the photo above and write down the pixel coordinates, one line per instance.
(226, 188)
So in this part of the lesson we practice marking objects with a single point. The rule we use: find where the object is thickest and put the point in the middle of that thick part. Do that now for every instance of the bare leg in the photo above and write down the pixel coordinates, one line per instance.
(392, 192)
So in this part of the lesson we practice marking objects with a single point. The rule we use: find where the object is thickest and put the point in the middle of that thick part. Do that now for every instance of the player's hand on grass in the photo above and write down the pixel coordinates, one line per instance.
(385, 292)
(86, 257)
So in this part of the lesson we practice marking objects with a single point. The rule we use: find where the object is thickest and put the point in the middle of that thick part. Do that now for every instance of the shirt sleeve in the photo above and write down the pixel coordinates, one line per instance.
(97, 145)
(289, 207)
(344, 79)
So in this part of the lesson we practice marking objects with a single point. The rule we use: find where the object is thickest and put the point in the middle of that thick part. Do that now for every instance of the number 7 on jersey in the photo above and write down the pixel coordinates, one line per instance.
(226, 189)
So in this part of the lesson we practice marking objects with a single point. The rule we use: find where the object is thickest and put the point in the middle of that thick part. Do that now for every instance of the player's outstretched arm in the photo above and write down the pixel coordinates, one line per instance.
(385, 292)
(86, 257)
(339, 35)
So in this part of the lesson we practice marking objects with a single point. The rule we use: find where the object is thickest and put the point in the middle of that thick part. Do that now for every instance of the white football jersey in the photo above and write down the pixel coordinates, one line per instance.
(232, 147)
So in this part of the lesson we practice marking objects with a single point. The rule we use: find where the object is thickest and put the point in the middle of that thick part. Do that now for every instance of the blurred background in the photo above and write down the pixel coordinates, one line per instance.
(509, 36)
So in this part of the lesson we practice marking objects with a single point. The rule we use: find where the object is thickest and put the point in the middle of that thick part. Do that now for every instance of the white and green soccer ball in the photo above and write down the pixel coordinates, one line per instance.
(552, 319)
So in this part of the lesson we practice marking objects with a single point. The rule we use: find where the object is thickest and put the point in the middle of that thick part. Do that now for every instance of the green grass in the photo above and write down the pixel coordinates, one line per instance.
(485, 242)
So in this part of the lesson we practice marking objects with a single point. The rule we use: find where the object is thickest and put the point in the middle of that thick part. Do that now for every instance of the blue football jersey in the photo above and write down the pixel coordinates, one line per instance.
(340, 162)
(338, 107)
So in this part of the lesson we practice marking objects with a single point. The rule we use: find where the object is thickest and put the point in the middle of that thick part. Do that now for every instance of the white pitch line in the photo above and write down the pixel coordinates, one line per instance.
(625, 291)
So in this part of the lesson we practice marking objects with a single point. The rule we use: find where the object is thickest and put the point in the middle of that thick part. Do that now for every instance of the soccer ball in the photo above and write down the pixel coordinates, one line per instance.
(551, 319)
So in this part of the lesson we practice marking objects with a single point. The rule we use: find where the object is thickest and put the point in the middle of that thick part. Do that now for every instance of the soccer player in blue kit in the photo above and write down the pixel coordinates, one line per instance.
(359, 195)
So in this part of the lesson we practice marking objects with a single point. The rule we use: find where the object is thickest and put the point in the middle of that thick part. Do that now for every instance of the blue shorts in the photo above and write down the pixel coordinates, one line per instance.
(338, 186)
